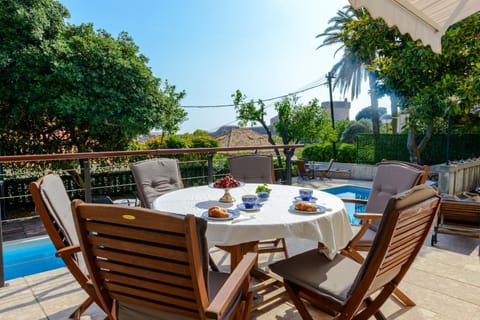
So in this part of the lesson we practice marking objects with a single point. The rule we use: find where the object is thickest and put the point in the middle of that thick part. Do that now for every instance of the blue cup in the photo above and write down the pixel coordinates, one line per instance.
(249, 200)
(306, 194)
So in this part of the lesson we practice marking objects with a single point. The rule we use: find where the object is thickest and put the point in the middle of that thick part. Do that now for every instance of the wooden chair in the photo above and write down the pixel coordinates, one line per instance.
(324, 172)
(257, 168)
(458, 217)
(53, 205)
(348, 290)
(303, 171)
(155, 177)
(148, 264)
(392, 177)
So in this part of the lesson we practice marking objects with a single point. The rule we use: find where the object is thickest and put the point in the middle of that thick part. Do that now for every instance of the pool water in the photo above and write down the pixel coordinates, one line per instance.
(29, 256)
(351, 192)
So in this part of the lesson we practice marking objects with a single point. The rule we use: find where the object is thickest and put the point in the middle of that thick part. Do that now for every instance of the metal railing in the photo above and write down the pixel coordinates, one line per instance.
(31, 167)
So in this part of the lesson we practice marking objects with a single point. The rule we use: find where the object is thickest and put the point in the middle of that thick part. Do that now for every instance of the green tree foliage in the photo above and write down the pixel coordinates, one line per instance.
(358, 54)
(354, 128)
(67, 88)
(366, 113)
(296, 122)
(323, 152)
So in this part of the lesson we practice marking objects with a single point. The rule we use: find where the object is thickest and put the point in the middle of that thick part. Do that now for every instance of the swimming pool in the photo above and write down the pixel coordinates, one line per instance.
(29, 256)
(351, 192)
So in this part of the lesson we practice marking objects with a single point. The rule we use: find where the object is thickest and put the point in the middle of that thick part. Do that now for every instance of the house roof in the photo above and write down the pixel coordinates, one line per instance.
(243, 137)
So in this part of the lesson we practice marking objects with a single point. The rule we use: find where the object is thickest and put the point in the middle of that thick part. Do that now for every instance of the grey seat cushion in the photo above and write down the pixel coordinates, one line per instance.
(390, 179)
(155, 177)
(314, 271)
(367, 238)
(252, 168)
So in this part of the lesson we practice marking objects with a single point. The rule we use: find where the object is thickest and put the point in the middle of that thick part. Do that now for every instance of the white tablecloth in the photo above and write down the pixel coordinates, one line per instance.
(274, 220)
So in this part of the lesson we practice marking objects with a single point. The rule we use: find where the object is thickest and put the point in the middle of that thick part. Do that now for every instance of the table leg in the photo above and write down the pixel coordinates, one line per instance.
(268, 287)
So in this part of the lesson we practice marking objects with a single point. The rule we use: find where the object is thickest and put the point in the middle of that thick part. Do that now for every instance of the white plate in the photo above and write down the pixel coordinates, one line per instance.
(312, 199)
(320, 209)
(233, 214)
(256, 207)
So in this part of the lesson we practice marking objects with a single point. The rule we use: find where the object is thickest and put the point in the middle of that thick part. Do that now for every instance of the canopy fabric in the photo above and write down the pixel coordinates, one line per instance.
(426, 20)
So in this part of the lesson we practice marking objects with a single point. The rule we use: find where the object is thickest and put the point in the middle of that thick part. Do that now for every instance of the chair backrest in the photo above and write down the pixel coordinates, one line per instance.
(145, 258)
(407, 221)
(253, 168)
(53, 206)
(155, 177)
(302, 168)
(391, 178)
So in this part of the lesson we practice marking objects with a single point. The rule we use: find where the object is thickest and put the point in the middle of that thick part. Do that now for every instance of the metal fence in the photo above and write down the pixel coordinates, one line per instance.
(373, 148)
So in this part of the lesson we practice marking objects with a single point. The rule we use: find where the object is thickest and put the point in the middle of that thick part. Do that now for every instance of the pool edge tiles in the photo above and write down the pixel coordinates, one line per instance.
(29, 256)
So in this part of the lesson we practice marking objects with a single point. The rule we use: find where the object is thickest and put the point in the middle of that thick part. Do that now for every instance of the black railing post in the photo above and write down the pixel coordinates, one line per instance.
(210, 167)
(87, 180)
(2, 217)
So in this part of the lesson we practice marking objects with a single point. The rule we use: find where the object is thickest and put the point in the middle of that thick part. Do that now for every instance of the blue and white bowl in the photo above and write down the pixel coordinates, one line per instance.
(263, 195)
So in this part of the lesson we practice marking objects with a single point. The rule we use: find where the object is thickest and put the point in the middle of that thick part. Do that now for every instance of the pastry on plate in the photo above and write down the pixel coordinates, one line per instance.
(218, 212)
(305, 206)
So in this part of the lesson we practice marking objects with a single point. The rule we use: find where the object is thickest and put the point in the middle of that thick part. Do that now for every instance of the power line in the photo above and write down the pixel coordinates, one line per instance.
(266, 100)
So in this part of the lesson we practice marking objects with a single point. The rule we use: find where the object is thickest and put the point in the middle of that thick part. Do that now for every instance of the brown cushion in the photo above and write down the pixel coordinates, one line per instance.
(367, 237)
(314, 271)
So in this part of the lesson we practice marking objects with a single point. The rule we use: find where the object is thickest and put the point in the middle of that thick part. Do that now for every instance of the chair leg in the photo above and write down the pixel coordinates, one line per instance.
(294, 295)
(402, 297)
(81, 309)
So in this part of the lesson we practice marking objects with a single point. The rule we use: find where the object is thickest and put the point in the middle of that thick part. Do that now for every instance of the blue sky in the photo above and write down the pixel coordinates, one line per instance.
(210, 48)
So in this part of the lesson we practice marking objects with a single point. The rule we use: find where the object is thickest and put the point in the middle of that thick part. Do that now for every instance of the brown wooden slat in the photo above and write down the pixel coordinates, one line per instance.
(142, 261)
(172, 298)
(144, 218)
(193, 313)
(150, 236)
(138, 248)
(146, 273)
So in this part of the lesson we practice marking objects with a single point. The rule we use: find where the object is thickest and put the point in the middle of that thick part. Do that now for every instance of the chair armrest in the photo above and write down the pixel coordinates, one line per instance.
(359, 201)
(224, 296)
(367, 216)
(68, 251)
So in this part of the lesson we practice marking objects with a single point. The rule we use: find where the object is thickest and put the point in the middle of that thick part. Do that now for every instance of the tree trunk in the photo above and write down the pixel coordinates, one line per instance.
(374, 103)
(272, 142)
(415, 150)
(394, 110)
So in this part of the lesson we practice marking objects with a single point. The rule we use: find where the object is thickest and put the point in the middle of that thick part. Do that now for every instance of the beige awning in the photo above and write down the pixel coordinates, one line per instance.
(426, 20)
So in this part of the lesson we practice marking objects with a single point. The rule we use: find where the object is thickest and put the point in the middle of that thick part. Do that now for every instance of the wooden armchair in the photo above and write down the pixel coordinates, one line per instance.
(53, 206)
(392, 177)
(303, 171)
(148, 264)
(348, 290)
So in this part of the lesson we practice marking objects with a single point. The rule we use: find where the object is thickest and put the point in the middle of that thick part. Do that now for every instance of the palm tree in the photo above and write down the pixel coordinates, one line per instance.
(351, 70)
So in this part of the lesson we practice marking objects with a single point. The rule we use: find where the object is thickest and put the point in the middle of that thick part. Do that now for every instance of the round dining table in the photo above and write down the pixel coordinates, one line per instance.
(275, 219)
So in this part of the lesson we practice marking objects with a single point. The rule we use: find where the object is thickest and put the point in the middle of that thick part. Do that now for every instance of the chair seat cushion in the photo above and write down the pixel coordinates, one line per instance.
(314, 271)
(367, 238)
(130, 311)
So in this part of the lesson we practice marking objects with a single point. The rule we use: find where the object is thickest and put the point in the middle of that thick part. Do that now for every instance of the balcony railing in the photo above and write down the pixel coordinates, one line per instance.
(82, 171)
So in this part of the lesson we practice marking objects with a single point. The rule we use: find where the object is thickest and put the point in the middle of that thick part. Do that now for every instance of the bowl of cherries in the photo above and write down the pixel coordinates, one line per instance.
(226, 183)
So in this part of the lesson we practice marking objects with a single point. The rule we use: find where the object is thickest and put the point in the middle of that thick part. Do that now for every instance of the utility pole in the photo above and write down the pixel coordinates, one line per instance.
(330, 76)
